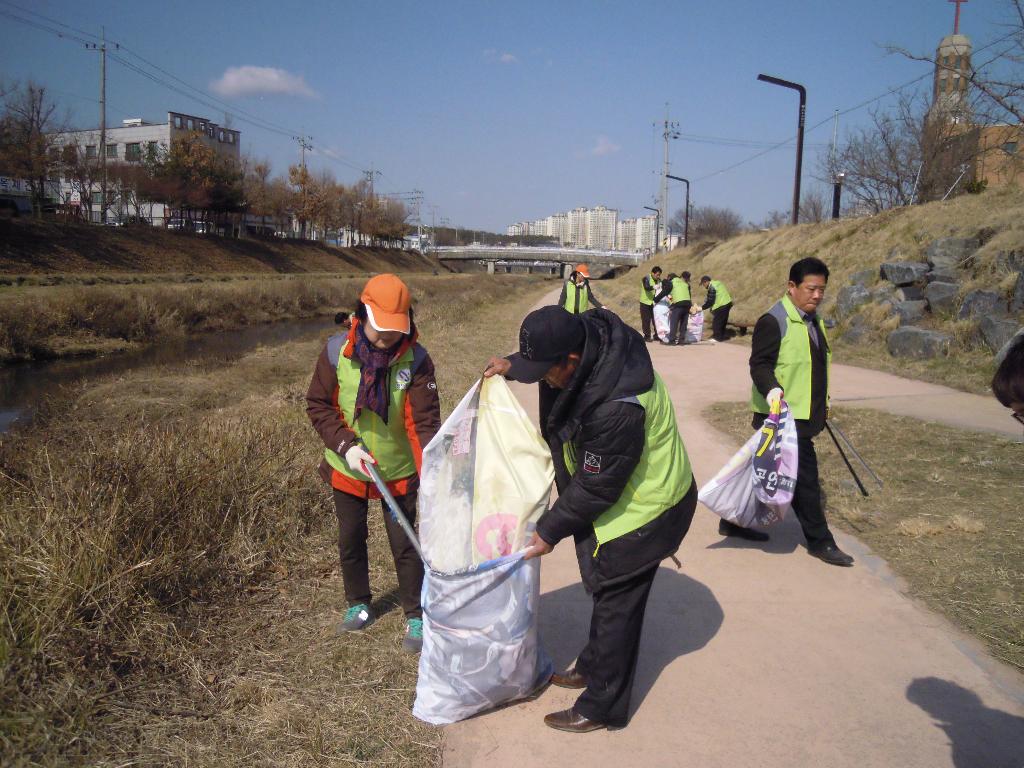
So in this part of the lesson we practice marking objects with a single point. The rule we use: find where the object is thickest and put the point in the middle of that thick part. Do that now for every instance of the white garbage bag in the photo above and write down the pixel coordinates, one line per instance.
(661, 321)
(486, 478)
(695, 327)
(745, 491)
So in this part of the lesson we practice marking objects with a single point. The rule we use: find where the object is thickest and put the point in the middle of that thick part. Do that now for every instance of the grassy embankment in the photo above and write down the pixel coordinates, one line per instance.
(755, 267)
(948, 520)
(77, 289)
(168, 570)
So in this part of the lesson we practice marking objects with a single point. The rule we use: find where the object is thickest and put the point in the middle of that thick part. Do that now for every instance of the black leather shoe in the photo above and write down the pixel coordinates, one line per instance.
(571, 679)
(725, 528)
(570, 720)
(832, 555)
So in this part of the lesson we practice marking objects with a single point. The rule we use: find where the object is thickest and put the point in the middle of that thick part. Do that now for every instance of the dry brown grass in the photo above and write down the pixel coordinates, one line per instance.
(64, 321)
(755, 267)
(948, 520)
(168, 573)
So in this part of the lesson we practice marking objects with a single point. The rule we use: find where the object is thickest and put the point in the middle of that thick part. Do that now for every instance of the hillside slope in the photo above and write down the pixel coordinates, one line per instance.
(755, 267)
(39, 247)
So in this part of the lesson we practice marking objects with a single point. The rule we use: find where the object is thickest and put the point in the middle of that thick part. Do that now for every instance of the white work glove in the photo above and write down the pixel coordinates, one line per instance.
(774, 396)
(356, 456)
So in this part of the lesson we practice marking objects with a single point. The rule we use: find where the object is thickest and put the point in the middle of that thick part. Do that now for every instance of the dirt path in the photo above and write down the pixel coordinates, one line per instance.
(763, 656)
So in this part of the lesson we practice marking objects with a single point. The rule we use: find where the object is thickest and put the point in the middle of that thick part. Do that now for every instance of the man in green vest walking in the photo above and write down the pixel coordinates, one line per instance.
(790, 358)
(719, 302)
(577, 296)
(648, 288)
(626, 492)
(679, 311)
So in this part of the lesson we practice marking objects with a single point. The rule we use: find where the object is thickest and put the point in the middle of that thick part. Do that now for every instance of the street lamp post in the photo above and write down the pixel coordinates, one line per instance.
(657, 226)
(837, 191)
(686, 209)
(799, 135)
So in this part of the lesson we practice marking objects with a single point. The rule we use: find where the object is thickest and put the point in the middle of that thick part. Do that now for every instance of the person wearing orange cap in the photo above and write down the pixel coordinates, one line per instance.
(577, 296)
(373, 400)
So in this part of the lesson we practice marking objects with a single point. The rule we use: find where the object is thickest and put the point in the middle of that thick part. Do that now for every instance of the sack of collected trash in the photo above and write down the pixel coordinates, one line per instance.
(661, 320)
(486, 478)
(756, 486)
(695, 327)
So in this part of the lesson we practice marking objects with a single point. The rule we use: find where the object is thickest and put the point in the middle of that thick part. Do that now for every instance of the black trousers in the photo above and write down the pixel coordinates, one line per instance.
(355, 568)
(609, 661)
(719, 319)
(678, 315)
(807, 497)
(647, 320)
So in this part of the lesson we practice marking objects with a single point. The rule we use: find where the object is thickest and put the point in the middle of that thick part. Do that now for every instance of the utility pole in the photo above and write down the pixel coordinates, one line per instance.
(368, 175)
(686, 209)
(305, 142)
(671, 131)
(102, 48)
(433, 226)
(835, 136)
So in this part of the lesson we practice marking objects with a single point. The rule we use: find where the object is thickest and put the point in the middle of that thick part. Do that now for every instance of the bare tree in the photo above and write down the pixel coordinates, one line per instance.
(711, 223)
(815, 207)
(27, 148)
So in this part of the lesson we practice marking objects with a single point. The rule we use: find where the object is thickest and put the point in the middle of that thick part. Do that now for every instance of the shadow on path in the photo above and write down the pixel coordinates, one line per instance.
(785, 538)
(682, 616)
(980, 737)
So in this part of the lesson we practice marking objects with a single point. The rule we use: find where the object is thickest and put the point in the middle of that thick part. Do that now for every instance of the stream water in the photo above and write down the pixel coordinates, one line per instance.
(23, 385)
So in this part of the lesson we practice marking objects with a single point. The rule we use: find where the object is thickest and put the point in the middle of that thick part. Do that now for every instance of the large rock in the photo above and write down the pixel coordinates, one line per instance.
(997, 331)
(918, 343)
(947, 254)
(904, 272)
(939, 276)
(1017, 339)
(1017, 300)
(850, 297)
(910, 311)
(909, 293)
(979, 304)
(942, 297)
(865, 277)
(856, 334)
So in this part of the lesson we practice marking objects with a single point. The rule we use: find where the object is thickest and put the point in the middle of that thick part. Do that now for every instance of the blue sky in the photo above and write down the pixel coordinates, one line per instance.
(505, 111)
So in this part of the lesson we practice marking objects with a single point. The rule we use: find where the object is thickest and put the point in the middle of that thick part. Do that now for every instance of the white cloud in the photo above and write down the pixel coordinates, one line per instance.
(493, 54)
(604, 146)
(250, 81)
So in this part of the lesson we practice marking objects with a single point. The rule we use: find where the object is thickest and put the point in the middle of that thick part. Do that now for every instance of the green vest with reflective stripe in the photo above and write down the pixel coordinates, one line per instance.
(722, 296)
(387, 443)
(793, 368)
(680, 290)
(659, 481)
(647, 297)
(574, 293)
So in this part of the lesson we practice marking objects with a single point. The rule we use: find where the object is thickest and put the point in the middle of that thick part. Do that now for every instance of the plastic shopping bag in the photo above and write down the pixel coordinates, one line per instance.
(695, 327)
(485, 480)
(661, 321)
(756, 486)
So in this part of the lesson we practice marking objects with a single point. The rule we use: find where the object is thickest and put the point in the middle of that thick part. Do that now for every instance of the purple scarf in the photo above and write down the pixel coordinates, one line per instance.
(373, 379)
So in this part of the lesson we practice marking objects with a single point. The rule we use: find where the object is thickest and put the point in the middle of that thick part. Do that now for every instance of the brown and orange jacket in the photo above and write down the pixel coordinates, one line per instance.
(422, 415)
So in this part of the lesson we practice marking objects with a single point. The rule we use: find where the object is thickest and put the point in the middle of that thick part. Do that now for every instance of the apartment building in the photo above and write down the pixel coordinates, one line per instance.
(600, 222)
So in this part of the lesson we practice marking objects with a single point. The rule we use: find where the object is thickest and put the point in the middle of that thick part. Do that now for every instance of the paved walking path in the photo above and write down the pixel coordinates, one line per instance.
(761, 655)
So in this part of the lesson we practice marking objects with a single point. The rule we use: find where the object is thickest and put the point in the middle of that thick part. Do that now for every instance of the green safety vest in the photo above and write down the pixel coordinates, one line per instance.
(647, 297)
(387, 443)
(722, 296)
(680, 290)
(793, 368)
(658, 482)
(576, 293)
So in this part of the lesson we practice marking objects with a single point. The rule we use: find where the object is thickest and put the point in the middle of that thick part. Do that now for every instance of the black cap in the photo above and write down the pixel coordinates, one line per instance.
(546, 336)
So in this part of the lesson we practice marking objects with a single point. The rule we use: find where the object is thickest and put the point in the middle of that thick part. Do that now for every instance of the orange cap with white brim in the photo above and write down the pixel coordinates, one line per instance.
(387, 301)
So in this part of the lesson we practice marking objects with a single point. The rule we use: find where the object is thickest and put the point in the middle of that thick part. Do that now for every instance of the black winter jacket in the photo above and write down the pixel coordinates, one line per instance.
(607, 437)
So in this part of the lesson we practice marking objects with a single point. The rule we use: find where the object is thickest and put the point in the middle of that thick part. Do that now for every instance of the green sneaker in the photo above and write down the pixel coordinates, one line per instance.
(357, 617)
(413, 640)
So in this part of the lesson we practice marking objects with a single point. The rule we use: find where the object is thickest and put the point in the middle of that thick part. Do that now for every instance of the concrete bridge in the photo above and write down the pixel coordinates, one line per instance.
(544, 259)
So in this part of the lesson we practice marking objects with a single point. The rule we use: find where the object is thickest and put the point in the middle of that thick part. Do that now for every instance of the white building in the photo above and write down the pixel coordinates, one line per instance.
(646, 233)
(625, 235)
(133, 141)
(539, 228)
(601, 228)
(558, 227)
(577, 227)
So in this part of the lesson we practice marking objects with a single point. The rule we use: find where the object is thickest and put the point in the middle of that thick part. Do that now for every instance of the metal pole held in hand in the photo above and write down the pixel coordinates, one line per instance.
(849, 466)
(394, 509)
